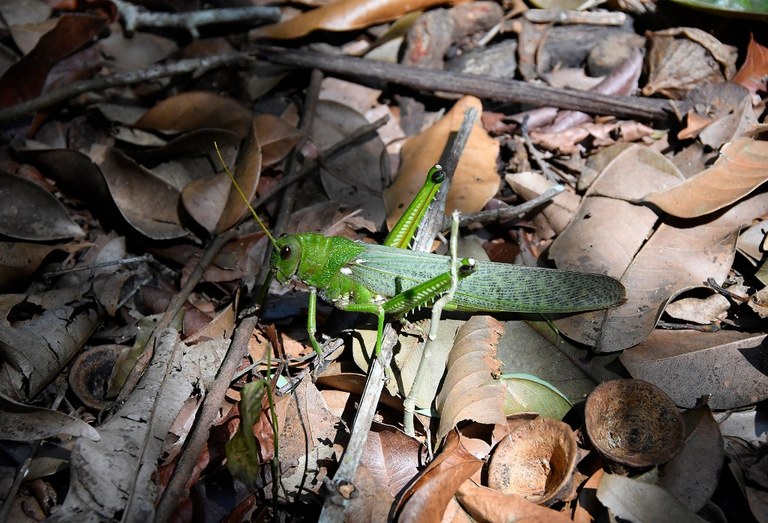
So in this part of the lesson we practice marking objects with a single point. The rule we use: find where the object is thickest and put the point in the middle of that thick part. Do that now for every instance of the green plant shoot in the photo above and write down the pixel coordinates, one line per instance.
(391, 280)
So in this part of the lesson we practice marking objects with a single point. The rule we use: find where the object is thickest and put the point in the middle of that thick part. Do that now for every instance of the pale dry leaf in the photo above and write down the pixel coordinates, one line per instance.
(676, 258)
(724, 366)
(475, 181)
(712, 309)
(634, 500)
(741, 168)
(555, 215)
(694, 473)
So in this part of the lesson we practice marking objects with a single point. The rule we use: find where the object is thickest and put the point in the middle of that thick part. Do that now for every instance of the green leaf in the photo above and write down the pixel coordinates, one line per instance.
(527, 393)
(741, 8)
(243, 458)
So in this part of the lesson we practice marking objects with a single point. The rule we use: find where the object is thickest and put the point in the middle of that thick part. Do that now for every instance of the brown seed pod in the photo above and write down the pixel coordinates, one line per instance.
(633, 422)
(536, 460)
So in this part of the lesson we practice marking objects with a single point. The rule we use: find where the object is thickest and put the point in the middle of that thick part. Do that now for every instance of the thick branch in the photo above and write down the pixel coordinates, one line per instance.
(481, 86)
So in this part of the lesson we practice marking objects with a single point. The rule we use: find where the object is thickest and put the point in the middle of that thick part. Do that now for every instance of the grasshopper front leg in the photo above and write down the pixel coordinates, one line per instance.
(312, 320)
(420, 295)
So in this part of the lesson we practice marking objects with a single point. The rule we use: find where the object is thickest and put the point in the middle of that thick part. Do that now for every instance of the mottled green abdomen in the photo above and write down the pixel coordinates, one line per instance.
(492, 287)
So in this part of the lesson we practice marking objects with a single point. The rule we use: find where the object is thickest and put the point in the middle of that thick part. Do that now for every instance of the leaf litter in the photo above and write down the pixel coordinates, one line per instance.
(674, 209)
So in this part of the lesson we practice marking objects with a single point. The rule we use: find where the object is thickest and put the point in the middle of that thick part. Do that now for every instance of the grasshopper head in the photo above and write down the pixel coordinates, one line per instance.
(286, 257)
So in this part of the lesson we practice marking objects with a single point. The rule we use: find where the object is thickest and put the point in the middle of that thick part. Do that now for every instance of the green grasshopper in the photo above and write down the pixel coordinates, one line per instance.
(391, 280)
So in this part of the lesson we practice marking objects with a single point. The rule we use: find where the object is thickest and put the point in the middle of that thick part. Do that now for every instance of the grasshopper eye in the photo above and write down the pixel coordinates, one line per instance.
(438, 176)
(285, 252)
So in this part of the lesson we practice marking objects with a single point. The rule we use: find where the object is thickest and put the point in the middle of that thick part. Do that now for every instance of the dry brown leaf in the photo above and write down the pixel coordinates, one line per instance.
(392, 458)
(710, 310)
(726, 366)
(369, 501)
(470, 391)
(343, 15)
(276, 136)
(693, 475)
(485, 504)
(247, 173)
(475, 181)
(635, 500)
(635, 172)
(741, 168)
(426, 499)
(196, 110)
(676, 258)
(18, 260)
(29, 212)
(682, 58)
(147, 203)
(555, 216)
(354, 178)
(307, 436)
(754, 71)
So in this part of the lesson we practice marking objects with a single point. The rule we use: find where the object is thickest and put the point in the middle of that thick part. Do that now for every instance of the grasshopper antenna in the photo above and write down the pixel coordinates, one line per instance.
(243, 196)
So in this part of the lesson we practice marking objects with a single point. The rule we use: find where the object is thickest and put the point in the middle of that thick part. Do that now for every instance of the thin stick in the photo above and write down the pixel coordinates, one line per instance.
(508, 213)
(191, 65)
(135, 17)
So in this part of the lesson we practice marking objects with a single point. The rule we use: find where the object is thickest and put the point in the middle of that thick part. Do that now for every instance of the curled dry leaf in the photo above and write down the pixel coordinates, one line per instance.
(71, 33)
(754, 71)
(727, 367)
(475, 180)
(343, 15)
(741, 168)
(485, 504)
(19, 260)
(147, 203)
(470, 391)
(426, 499)
(23, 422)
(685, 57)
(29, 212)
(196, 110)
